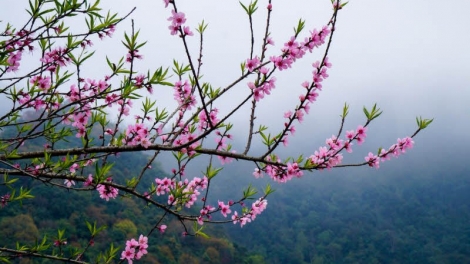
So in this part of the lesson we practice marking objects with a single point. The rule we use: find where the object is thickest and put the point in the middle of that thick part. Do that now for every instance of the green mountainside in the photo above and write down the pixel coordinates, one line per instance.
(56, 208)
(387, 216)
(412, 213)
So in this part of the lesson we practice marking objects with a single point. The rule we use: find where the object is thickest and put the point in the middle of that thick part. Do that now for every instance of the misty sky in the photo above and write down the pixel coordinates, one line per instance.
(410, 57)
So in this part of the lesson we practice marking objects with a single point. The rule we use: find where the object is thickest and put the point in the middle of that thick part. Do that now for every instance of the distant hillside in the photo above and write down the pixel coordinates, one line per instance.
(57, 208)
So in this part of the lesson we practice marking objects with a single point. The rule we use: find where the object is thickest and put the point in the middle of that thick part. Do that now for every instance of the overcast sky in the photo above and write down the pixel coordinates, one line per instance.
(411, 57)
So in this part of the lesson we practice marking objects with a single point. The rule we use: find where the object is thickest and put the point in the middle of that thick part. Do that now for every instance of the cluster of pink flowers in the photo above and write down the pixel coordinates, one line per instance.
(320, 72)
(251, 64)
(191, 190)
(58, 243)
(225, 208)
(34, 170)
(135, 249)
(256, 208)
(137, 134)
(222, 146)
(328, 157)
(73, 169)
(124, 106)
(85, 43)
(108, 32)
(265, 88)
(396, 149)
(44, 83)
(205, 212)
(133, 54)
(54, 58)
(139, 81)
(4, 200)
(107, 191)
(183, 95)
(325, 157)
(94, 87)
(14, 61)
(24, 39)
(281, 174)
(89, 181)
(90, 89)
(206, 123)
(294, 50)
(177, 20)
(164, 185)
(25, 100)
(79, 120)
(184, 138)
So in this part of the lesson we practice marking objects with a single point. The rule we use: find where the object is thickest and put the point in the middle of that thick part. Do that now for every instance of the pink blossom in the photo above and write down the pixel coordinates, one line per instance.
(162, 228)
(292, 130)
(347, 146)
(264, 70)
(306, 84)
(44, 83)
(224, 208)
(14, 61)
(4, 200)
(299, 115)
(361, 131)
(177, 18)
(129, 254)
(251, 64)
(107, 191)
(257, 173)
(145, 142)
(285, 141)
(372, 160)
(235, 217)
(288, 114)
(187, 31)
(269, 41)
(142, 247)
(69, 183)
(173, 29)
(281, 63)
(89, 180)
(74, 167)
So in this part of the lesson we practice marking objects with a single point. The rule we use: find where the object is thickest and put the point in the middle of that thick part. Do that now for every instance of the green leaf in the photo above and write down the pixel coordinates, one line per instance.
(423, 123)
(345, 110)
(300, 27)
(268, 190)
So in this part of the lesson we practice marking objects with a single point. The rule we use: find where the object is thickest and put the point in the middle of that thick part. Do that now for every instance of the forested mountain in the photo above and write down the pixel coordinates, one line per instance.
(416, 212)
(55, 209)
(395, 215)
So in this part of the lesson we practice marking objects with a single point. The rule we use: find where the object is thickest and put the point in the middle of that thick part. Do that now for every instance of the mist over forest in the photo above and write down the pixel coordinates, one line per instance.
(414, 209)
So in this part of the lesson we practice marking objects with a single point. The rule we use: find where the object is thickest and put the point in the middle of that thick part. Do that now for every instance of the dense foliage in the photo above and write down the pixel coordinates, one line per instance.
(396, 215)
